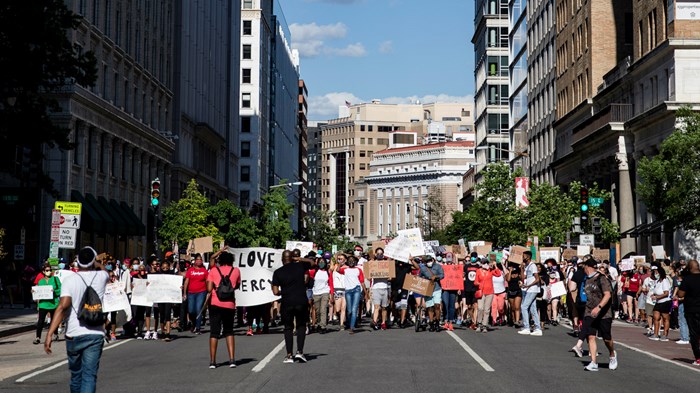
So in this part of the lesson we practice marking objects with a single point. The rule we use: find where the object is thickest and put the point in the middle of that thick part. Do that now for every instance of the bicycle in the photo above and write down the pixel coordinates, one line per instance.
(421, 321)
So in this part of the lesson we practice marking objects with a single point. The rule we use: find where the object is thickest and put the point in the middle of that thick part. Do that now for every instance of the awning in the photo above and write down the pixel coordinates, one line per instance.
(140, 228)
(109, 225)
(132, 227)
(90, 220)
(644, 229)
(121, 226)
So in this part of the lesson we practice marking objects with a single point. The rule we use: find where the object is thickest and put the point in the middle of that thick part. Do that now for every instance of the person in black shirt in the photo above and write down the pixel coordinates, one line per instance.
(399, 296)
(689, 291)
(292, 278)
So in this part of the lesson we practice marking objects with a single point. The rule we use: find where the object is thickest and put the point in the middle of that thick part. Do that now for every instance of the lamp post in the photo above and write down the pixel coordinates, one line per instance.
(429, 210)
(296, 183)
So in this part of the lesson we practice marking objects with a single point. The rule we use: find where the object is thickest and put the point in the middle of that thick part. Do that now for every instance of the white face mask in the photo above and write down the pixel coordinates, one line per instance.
(357, 253)
(430, 264)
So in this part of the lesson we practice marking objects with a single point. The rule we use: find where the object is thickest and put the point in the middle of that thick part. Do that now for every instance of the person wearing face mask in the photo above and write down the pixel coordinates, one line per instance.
(469, 300)
(484, 280)
(365, 306)
(142, 314)
(399, 296)
(195, 291)
(354, 284)
(598, 316)
(433, 272)
(62, 272)
(47, 306)
(322, 292)
(498, 305)
(111, 323)
(662, 309)
(339, 304)
(531, 289)
(380, 290)
(449, 298)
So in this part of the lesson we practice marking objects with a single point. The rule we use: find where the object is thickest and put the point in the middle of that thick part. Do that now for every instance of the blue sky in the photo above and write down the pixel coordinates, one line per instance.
(394, 50)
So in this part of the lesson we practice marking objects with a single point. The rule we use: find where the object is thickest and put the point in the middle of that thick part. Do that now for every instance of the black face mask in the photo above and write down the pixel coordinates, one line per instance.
(379, 256)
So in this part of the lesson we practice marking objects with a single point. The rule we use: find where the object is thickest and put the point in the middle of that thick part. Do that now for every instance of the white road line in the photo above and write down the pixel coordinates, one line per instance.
(471, 352)
(64, 362)
(268, 358)
(658, 357)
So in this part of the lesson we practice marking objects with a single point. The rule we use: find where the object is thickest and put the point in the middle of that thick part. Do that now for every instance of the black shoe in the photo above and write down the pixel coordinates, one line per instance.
(375, 326)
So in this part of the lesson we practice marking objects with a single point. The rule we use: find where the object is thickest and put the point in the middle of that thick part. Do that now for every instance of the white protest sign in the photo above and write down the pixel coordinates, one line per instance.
(304, 247)
(414, 234)
(557, 289)
(659, 252)
(549, 252)
(115, 299)
(139, 294)
(626, 264)
(428, 247)
(42, 292)
(583, 250)
(257, 266)
(164, 288)
(472, 245)
(399, 248)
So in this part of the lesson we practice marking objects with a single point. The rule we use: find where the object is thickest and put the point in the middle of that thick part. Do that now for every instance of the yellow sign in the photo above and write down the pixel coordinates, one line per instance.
(69, 207)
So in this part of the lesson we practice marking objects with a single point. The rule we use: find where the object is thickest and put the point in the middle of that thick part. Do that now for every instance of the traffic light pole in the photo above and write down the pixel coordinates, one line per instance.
(156, 249)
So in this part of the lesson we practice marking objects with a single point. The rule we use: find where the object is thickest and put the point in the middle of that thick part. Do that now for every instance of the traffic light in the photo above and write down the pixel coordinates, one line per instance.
(583, 209)
(155, 192)
(596, 225)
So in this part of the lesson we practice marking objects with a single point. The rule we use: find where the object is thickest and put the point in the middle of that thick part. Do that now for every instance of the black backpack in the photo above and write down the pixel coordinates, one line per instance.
(90, 311)
(225, 290)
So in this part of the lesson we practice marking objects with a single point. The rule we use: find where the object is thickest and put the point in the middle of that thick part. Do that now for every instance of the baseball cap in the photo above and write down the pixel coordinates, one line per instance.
(654, 268)
(168, 254)
(590, 262)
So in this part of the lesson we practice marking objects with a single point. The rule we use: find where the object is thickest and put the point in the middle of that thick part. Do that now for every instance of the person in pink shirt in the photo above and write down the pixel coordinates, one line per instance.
(222, 312)
(484, 280)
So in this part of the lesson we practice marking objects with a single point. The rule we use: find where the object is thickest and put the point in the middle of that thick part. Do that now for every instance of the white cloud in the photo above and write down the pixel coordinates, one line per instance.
(386, 47)
(310, 39)
(325, 107)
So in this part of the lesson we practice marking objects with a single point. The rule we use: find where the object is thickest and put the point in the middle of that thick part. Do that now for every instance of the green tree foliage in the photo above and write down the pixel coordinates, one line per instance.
(274, 219)
(187, 219)
(235, 225)
(322, 228)
(669, 183)
(37, 59)
(550, 212)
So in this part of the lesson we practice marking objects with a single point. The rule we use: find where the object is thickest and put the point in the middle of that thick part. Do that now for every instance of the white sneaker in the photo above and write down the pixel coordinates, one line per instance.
(591, 367)
(578, 351)
(154, 336)
(536, 332)
(147, 335)
(288, 359)
(682, 342)
(525, 332)
(613, 362)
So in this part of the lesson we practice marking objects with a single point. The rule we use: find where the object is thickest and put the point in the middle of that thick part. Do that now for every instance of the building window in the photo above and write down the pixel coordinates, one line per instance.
(247, 4)
(245, 173)
(245, 100)
(245, 198)
(245, 149)
(247, 52)
(362, 127)
(245, 124)
(370, 127)
(246, 75)
(363, 153)
(247, 27)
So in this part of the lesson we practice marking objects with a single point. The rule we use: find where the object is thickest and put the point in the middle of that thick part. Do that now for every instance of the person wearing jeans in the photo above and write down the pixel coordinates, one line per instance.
(354, 282)
(84, 353)
(531, 289)
(196, 291)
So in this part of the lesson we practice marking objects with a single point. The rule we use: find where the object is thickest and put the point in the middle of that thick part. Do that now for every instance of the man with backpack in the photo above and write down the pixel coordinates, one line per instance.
(598, 314)
(81, 300)
(222, 282)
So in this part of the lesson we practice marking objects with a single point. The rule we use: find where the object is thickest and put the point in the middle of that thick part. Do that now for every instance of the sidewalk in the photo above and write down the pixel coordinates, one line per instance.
(16, 320)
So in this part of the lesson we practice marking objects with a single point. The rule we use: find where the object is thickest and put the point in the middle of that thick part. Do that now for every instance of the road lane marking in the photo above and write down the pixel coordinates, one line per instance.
(64, 362)
(655, 356)
(268, 358)
(471, 352)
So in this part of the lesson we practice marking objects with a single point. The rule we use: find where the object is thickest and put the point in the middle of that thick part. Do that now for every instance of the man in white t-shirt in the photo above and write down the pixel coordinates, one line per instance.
(83, 343)
(531, 287)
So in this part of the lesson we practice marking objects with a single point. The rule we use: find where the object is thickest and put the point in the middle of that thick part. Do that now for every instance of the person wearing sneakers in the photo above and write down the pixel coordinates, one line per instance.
(433, 272)
(449, 298)
(164, 309)
(662, 309)
(689, 292)
(195, 290)
(598, 315)
(222, 312)
(484, 280)
(289, 281)
(531, 288)
(380, 290)
(47, 306)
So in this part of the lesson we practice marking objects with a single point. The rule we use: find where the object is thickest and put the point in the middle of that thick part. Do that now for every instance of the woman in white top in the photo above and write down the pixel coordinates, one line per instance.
(662, 295)
(338, 301)
(322, 290)
(498, 306)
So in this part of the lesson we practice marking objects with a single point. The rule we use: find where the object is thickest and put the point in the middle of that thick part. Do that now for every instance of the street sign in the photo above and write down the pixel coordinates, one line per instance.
(55, 217)
(55, 233)
(19, 252)
(53, 250)
(67, 238)
(69, 207)
(70, 221)
(596, 201)
(587, 240)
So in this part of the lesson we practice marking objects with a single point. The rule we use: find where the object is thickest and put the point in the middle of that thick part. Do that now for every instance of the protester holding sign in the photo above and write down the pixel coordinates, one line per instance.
(433, 272)
(399, 295)
(381, 288)
(142, 314)
(47, 306)
(195, 289)
(484, 281)
(164, 309)
(322, 292)
(223, 280)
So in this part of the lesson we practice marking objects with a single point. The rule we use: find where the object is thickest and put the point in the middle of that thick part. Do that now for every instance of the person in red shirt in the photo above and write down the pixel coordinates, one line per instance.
(222, 312)
(196, 291)
(631, 286)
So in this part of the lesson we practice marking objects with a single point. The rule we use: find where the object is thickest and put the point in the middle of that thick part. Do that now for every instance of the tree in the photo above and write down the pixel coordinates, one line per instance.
(37, 59)
(187, 219)
(610, 232)
(550, 212)
(235, 225)
(274, 219)
(669, 183)
(321, 228)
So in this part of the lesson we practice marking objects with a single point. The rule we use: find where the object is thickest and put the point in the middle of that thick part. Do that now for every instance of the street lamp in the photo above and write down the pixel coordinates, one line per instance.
(429, 210)
(296, 183)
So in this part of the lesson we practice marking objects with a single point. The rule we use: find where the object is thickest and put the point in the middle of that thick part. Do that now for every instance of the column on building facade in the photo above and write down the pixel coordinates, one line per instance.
(626, 202)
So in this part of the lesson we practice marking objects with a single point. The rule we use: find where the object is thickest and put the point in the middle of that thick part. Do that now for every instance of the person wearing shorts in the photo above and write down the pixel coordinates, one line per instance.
(598, 314)
(399, 296)
(433, 272)
(380, 299)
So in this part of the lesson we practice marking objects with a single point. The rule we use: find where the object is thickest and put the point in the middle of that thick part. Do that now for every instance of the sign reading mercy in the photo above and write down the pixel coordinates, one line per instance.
(257, 266)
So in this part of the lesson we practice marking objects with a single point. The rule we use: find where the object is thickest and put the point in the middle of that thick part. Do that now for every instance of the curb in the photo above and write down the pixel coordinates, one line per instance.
(16, 330)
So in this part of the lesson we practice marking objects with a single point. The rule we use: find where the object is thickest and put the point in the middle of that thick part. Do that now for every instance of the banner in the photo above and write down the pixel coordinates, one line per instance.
(380, 269)
(257, 266)
(42, 292)
(522, 186)
(304, 247)
(115, 299)
(408, 243)
(164, 288)
(416, 237)
(454, 280)
(139, 294)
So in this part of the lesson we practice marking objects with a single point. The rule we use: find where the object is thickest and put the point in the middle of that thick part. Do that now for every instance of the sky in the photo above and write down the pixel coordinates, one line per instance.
(398, 51)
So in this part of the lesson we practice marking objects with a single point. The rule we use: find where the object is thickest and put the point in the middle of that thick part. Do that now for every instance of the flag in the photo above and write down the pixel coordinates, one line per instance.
(522, 186)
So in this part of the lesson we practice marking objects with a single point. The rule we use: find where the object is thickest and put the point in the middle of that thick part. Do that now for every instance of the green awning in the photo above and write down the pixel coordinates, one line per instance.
(109, 224)
(90, 220)
(140, 228)
(131, 227)
(121, 226)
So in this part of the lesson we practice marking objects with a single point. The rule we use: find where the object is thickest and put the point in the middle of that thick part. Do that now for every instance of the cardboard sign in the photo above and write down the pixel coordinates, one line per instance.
(601, 255)
(164, 288)
(202, 245)
(639, 260)
(375, 245)
(257, 266)
(418, 285)
(659, 252)
(380, 269)
(568, 253)
(457, 249)
(483, 250)
(516, 254)
(454, 280)
(42, 292)
(549, 252)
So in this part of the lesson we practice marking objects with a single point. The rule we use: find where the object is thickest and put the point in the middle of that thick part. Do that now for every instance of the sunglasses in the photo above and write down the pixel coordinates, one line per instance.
(47, 271)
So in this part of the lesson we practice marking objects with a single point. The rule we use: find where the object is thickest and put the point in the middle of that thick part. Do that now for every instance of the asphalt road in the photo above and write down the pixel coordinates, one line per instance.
(376, 361)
